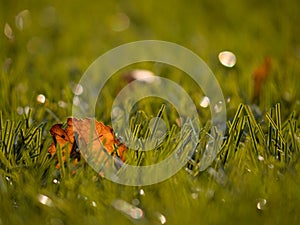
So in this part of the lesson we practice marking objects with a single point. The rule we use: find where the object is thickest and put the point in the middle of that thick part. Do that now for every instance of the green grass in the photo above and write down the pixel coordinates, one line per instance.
(255, 177)
(258, 162)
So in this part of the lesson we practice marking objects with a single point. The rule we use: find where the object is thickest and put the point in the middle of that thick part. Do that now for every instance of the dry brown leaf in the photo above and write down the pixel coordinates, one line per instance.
(80, 132)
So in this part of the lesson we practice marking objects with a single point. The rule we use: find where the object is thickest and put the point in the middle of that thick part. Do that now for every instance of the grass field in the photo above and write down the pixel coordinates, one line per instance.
(45, 47)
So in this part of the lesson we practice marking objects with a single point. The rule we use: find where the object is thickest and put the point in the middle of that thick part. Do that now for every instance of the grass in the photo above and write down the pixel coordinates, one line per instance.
(255, 177)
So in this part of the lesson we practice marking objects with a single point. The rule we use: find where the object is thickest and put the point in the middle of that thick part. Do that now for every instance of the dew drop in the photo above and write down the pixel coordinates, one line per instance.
(45, 200)
(261, 204)
(15, 205)
(94, 204)
(261, 158)
(62, 104)
(8, 32)
(26, 109)
(195, 195)
(144, 75)
(117, 113)
(82, 197)
(23, 19)
(76, 101)
(271, 166)
(9, 180)
(130, 210)
(136, 213)
(77, 89)
(55, 181)
(20, 110)
(204, 102)
(142, 192)
(218, 107)
(227, 58)
(41, 98)
(162, 218)
(135, 201)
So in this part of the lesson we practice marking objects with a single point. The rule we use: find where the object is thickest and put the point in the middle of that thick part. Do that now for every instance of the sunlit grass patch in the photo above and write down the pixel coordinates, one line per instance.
(245, 181)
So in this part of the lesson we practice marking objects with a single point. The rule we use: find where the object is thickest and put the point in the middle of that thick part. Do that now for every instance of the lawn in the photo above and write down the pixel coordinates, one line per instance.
(46, 47)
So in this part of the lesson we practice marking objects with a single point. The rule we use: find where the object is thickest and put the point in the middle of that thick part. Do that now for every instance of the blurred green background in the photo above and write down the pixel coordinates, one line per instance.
(54, 42)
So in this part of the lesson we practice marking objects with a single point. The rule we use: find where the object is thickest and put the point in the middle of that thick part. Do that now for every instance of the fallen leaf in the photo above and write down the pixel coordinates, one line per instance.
(87, 136)
(259, 76)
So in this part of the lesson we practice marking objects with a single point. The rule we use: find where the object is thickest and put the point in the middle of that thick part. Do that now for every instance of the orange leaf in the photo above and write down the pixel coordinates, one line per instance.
(92, 137)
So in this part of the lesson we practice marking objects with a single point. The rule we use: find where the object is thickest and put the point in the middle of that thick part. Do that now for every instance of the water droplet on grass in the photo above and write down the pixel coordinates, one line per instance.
(261, 158)
(144, 75)
(128, 209)
(77, 89)
(136, 213)
(261, 204)
(94, 204)
(162, 218)
(8, 32)
(76, 101)
(271, 166)
(26, 109)
(55, 181)
(45, 200)
(20, 110)
(142, 192)
(23, 19)
(62, 104)
(82, 197)
(15, 205)
(41, 98)
(204, 102)
(135, 201)
(117, 113)
(195, 195)
(218, 107)
(227, 58)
